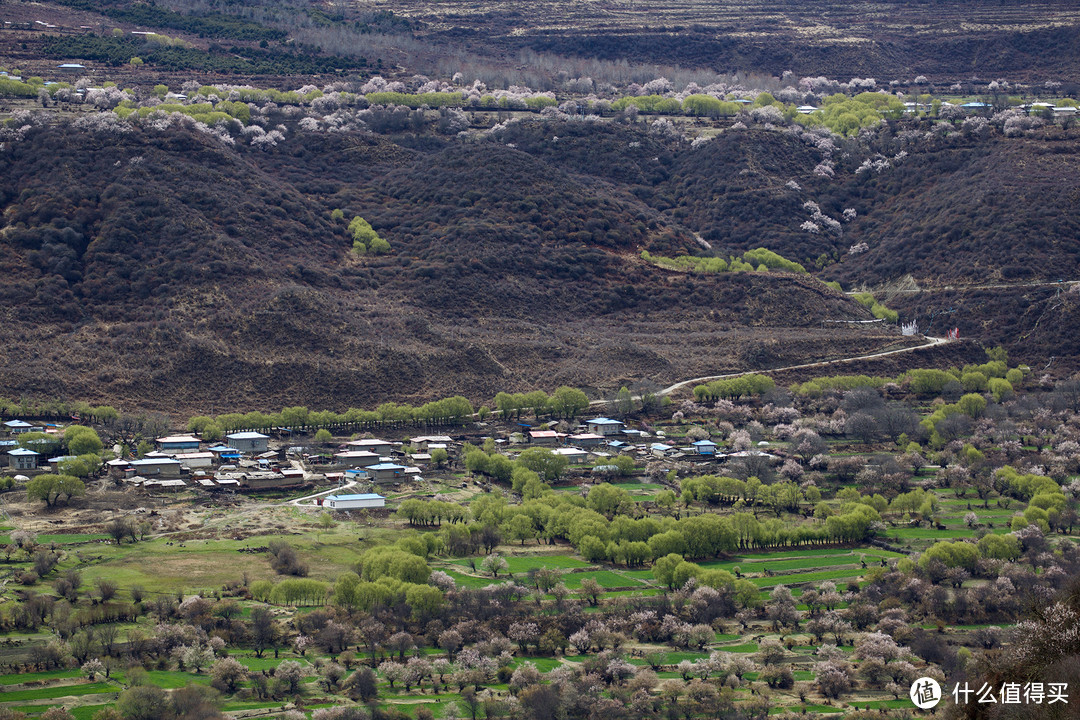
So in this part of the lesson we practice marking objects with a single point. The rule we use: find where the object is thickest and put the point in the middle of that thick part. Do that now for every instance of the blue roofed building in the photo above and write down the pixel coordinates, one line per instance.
(352, 502)
(705, 447)
(385, 472)
(23, 459)
(178, 443)
(605, 426)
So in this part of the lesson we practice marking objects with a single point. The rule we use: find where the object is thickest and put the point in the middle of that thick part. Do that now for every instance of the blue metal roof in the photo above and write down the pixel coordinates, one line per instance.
(361, 496)
(247, 436)
(22, 451)
(385, 466)
(701, 443)
(604, 421)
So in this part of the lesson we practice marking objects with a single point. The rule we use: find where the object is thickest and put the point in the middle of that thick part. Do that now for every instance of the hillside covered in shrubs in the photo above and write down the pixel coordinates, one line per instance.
(227, 269)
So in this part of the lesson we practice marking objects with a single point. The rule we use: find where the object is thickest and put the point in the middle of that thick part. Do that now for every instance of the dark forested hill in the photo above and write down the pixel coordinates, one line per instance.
(166, 268)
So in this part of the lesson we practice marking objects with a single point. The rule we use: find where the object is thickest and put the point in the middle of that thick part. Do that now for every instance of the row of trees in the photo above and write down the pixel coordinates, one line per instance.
(566, 402)
(734, 388)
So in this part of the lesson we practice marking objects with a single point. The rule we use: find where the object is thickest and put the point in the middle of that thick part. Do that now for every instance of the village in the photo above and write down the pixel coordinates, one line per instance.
(250, 461)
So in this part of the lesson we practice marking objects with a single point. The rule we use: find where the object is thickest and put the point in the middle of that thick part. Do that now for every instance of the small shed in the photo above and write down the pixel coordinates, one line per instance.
(352, 502)
(171, 485)
(224, 452)
(705, 447)
(23, 459)
(661, 450)
(605, 426)
(250, 442)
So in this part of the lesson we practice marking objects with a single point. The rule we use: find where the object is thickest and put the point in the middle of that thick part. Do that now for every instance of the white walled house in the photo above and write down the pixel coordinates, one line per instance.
(23, 459)
(605, 426)
(573, 455)
(380, 447)
(249, 442)
(165, 466)
(356, 458)
(178, 443)
(193, 460)
(17, 427)
(353, 502)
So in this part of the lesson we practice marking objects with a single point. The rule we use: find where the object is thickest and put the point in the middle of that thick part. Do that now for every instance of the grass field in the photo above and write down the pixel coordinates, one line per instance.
(35, 676)
(932, 534)
(471, 581)
(59, 691)
(521, 564)
(606, 578)
(61, 538)
(764, 582)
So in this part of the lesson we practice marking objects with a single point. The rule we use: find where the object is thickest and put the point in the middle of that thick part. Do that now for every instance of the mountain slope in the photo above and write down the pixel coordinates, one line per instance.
(163, 268)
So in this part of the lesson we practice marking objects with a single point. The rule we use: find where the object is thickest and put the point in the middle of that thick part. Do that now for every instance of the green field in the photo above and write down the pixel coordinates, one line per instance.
(775, 580)
(62, 538)
(59, 691)
(525, 563)
(19, 678)
(606, 578)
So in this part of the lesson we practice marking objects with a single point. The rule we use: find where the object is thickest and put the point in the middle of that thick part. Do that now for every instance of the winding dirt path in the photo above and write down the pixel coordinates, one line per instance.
(931, 342)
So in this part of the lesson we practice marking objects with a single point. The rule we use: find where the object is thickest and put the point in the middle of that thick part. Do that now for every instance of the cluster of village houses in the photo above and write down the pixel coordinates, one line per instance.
(245, 460)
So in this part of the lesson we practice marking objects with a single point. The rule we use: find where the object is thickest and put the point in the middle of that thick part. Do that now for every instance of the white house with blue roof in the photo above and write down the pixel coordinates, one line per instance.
(178, 443)
(705, 447)
(23, 459)
(19, 426)
(353, 502)
(661, 449)
(385, 472)
(605, 426)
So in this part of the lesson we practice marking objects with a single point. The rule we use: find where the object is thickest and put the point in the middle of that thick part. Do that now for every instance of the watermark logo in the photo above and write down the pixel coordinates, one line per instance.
(925, 693)
(1010, 693)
